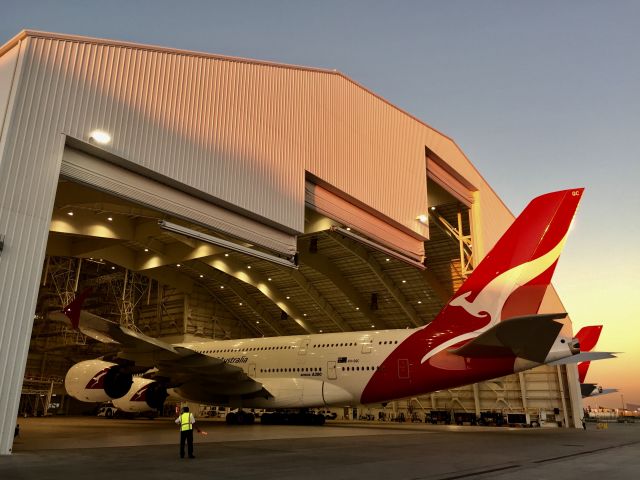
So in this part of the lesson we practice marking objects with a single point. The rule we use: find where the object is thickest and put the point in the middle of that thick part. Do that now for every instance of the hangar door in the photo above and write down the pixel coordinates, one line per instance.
(173, 199)
(380, 230)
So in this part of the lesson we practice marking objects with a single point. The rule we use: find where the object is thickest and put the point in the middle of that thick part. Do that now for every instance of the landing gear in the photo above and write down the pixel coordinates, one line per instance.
(240, 418)
(303, 417)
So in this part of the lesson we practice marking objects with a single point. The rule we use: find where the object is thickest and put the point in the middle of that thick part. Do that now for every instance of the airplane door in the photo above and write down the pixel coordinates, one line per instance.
(252, 370)
(332, 374)
(367, 344)
(304, 344)
(403, 368)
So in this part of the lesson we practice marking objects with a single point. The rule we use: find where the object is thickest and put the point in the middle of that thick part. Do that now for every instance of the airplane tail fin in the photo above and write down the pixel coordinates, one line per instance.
(583, 368)
(512, 278)
(588, 337)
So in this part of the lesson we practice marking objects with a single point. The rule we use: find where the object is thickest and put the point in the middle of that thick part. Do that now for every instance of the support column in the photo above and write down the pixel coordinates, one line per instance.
(562, 396)
(476, 399)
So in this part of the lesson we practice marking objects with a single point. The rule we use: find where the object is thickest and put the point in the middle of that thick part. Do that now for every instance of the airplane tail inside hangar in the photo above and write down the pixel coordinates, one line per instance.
(204, 196)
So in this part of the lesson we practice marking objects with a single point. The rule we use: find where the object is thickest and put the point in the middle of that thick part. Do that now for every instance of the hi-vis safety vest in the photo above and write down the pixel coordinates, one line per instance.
(185, 421)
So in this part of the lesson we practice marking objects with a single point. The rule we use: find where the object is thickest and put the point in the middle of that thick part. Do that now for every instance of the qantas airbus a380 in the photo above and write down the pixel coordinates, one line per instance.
(490, 328)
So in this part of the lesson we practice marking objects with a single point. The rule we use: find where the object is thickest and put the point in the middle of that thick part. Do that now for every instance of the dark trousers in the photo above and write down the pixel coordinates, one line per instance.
(186, 436)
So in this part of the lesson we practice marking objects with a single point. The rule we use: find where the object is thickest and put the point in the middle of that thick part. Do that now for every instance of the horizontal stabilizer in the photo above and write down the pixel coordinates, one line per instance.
(584, 357)
(529, 337)
(604, 391)
(594, 390)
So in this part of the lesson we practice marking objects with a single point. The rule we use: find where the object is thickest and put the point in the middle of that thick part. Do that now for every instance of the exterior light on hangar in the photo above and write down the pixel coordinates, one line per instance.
(100, 136)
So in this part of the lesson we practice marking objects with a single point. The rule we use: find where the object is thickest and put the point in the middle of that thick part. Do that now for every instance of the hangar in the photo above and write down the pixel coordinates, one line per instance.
(205, 196)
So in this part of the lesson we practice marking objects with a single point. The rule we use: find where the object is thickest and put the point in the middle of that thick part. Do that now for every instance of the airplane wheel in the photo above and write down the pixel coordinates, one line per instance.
(232, 419)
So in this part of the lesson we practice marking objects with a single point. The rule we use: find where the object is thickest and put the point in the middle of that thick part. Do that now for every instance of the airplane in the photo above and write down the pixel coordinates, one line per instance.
(490, 328)
(588, 337)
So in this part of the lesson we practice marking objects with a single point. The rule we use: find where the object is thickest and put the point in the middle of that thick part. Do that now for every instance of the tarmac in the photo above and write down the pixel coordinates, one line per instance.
(114, 449)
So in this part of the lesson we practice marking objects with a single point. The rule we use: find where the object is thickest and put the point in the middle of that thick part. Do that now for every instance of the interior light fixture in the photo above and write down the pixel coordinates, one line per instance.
(110, 219)
(100, 136)
(433, 208)
(146, 249)
(404, 281)
(269, 278)
(221, 287)
(70, 214)
(288, 298)
(201, 276)
(178, 265)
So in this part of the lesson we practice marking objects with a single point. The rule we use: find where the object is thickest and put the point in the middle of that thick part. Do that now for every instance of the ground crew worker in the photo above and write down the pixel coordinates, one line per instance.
(186, 421)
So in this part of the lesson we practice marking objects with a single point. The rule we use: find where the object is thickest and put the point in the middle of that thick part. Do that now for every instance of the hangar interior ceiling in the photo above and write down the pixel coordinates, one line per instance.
(175, 287)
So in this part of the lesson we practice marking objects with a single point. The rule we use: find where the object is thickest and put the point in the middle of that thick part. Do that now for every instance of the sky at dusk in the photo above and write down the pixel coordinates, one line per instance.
(539, 95)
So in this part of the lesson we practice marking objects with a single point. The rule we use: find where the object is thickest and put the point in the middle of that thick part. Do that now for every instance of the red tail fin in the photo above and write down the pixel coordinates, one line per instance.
(512, 279)
(73, 309)
(588, 337)
(582, 371)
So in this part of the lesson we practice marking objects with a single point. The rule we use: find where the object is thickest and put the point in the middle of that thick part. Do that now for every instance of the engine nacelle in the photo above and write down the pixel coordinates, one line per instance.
(144, 395)
(97, 381)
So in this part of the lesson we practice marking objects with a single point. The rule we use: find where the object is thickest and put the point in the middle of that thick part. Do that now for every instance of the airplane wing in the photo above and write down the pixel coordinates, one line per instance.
(513, 337)
(176, 366)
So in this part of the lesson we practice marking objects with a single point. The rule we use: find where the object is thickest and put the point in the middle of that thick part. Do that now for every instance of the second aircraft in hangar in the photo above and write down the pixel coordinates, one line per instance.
(490, 328)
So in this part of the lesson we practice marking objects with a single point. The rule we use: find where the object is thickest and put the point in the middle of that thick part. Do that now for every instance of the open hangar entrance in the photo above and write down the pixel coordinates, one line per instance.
(175, 286)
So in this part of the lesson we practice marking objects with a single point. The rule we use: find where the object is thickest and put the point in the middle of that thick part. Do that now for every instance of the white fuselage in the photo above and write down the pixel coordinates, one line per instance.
(344, 360)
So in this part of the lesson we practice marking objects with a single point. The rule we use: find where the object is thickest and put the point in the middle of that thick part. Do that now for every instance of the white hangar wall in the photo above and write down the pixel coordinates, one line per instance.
(246, 135)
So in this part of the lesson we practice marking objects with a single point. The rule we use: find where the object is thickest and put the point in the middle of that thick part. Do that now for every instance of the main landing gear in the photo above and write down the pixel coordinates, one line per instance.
(240, 418)
(302, 417)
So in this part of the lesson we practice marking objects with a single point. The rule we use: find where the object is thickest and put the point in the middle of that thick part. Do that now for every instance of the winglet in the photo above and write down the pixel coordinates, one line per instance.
(72, 311)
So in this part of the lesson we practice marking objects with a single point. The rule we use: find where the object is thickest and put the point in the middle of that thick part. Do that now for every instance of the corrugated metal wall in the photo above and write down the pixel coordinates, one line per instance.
(241, 132)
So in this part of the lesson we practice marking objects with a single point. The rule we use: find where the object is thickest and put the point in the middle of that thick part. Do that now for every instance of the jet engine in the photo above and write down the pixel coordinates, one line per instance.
(97, 381)
(144, 395)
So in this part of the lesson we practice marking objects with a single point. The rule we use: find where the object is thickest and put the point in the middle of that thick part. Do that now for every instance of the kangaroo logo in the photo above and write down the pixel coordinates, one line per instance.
(97, 380)
(491, 299)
